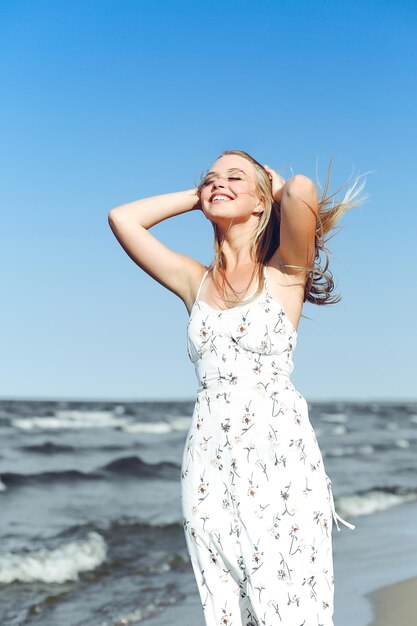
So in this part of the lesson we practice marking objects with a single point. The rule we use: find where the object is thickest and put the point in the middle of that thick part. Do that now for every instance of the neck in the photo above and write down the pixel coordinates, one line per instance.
(236, 245)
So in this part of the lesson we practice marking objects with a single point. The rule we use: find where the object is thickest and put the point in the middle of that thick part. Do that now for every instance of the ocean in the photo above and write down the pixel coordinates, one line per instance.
(90, 521)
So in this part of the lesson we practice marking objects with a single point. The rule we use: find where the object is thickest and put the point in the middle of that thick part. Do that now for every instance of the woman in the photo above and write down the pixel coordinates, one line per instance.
(257, 503)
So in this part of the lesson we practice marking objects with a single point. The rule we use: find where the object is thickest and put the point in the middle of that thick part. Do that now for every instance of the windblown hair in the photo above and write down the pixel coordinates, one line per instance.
(319, 283)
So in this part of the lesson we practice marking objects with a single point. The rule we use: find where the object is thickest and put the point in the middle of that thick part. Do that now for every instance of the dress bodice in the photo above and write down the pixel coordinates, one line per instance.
(250, 344)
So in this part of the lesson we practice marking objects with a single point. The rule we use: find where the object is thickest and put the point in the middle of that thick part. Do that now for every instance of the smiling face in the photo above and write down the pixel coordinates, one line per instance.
(229, 191)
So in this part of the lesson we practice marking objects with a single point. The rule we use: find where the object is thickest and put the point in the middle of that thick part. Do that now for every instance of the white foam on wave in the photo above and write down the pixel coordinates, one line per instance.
(140, 615)
(157, 428)
(2, 485)
(334, 418)
(54, 566)
(366, 449)
(181, 423)
(371, 502)
(342, 451)
(71, 419)
(178, 424)
(77, 419)
(339, 430)
(402, 443)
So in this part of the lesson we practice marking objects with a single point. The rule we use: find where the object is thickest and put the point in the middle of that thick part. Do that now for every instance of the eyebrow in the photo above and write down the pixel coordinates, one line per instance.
(232, 169)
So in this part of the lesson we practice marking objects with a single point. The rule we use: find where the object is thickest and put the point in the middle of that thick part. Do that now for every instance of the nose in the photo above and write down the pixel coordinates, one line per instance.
(216, 183)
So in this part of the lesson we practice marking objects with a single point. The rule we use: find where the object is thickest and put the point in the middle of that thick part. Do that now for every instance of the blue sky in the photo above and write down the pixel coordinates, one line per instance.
(104, 102)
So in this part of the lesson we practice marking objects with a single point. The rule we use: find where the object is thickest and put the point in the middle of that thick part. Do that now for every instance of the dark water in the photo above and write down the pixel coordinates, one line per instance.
(90, 520)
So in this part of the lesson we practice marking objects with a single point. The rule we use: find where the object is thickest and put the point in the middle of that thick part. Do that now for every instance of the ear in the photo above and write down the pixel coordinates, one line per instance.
(260, 206)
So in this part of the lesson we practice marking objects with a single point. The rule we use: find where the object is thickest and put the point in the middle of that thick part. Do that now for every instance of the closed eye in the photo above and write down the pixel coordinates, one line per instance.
(210, 180)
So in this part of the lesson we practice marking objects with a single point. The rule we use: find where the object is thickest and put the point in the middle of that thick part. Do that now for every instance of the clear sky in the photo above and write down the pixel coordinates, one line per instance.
(107, 101)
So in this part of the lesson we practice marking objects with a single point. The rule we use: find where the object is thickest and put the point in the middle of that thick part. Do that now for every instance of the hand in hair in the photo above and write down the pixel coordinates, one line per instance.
(277, 183)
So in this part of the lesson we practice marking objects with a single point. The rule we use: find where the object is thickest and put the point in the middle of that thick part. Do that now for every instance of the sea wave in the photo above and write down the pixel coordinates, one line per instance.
(126, 524)
(12, 479)
(78, 419)
(140, 615)
(134, 466)
(49, 448)
(126, 466)
(179, 424)
(334, 418)
(373, 500)
(368, 449)
(71, 419)
(57, 565)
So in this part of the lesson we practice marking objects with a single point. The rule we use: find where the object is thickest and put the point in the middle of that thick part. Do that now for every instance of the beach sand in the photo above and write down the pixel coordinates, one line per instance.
(395, 605)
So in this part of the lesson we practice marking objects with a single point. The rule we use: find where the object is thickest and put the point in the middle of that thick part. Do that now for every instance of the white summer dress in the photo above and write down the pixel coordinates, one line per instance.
(257, 503)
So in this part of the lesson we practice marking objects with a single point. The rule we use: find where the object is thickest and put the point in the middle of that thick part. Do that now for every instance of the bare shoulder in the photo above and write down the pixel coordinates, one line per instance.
(196, 274)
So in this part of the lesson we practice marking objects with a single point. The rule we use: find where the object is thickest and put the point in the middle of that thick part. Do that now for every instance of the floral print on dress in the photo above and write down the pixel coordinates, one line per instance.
(257, 503)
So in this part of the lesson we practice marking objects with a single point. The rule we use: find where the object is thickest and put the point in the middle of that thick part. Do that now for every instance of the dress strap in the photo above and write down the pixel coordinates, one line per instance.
(265, 279)
(201, 284)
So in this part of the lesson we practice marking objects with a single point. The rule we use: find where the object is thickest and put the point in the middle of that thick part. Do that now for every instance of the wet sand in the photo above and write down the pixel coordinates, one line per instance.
(395, 605)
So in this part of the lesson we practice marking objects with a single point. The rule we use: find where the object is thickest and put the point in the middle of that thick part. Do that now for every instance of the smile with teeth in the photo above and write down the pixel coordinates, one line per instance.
(221, 198)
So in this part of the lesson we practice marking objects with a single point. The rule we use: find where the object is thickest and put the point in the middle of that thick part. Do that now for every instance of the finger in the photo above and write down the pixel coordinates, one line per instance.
(269, 171)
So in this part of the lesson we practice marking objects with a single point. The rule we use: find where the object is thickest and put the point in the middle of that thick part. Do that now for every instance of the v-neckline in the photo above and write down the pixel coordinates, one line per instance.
(241, 302)
(264, 292)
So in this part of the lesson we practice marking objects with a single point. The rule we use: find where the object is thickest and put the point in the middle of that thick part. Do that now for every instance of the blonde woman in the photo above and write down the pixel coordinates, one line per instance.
(257, 503)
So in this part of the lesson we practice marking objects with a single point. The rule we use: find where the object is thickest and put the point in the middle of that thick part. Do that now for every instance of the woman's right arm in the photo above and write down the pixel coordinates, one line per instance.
(130, 224)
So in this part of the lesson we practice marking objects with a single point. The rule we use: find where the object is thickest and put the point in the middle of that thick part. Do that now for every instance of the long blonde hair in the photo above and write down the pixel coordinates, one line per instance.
(319, 282)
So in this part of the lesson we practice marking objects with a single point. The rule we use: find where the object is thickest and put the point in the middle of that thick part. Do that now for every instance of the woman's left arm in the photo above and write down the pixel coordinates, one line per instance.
(298, 200)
